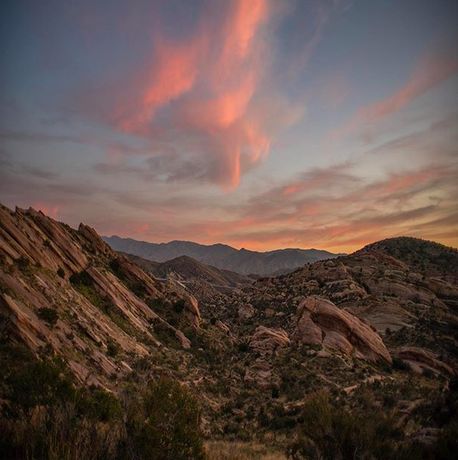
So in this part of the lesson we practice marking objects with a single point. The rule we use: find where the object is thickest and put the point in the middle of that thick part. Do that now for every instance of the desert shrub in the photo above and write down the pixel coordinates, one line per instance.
(167, 426)
(81, 279)
(48, 315)
(24, 265)
(400, 364)
(38, 383)
(61, 272)
(44, 416)
(179, 305)
(243, 347)
(99, 405)
(112, 348)
(330, 432)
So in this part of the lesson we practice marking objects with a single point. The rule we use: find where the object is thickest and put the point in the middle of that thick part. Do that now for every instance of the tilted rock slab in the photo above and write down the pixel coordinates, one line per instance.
(267, 340)
(320, 322)
(419, 359)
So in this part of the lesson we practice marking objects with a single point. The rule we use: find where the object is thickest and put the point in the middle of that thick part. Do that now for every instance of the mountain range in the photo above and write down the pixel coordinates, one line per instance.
(222, 256)
(357, 354)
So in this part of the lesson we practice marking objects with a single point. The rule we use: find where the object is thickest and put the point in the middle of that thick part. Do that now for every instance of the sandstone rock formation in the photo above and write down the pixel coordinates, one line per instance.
(98, 299)
(267, 340)
(320, 322)
(419, 360)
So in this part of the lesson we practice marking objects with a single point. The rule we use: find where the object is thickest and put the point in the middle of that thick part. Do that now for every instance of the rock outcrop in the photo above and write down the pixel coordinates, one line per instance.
(320, 322)
(267, 340)
(419, 360)
(67, 290)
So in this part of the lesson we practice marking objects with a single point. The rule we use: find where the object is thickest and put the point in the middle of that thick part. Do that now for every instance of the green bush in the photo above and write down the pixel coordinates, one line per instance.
(168, 425)
(24, 265)
(329, 432)
(44, 416)
(49, 315)
(81, 279)
(400, 364)
(112, 348)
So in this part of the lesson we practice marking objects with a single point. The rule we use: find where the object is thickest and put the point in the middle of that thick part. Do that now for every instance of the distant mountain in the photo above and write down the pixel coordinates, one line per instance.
(222, 256)
(186, 268)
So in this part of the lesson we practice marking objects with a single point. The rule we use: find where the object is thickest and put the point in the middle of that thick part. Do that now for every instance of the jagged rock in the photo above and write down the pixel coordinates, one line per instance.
(321, 322)
(419, 359)
(192, 309)
(38, 257)
(97, 245)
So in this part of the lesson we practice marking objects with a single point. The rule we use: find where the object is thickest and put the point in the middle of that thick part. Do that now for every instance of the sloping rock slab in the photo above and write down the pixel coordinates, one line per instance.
(320, 322)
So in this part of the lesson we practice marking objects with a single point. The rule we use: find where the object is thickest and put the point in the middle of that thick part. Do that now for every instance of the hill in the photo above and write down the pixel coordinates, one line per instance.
(187, 269)
(427, 257)
(221, 256)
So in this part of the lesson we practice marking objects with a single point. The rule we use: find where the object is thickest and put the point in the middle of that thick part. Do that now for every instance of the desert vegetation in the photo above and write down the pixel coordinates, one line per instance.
(45, 416)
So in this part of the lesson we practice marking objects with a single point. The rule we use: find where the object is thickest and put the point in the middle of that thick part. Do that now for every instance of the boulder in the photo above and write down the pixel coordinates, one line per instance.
(267, 340)
(246, 311)
(320, 322)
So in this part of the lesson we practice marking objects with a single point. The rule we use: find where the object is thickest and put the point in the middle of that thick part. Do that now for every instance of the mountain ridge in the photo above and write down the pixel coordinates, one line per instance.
(222, 256)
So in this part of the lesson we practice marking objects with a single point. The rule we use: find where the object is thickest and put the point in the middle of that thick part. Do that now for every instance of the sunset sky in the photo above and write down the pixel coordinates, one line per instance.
(258, 123)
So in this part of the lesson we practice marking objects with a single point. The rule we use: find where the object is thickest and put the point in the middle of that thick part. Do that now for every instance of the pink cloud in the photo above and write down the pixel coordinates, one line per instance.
(208, 94)
(173, 74)
(431, 71)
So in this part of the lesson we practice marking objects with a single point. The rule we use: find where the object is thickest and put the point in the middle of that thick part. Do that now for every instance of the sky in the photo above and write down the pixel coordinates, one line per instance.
(261, 124)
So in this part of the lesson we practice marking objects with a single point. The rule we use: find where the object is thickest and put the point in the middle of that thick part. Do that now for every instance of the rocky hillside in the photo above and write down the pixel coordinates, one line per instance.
(425, 257)
(361, 334)
(222, 256)
(67, 291)
(186, 269)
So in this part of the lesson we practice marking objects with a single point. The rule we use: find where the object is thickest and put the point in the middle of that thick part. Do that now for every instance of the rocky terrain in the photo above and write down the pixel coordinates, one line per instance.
(376, 330)
(222, 256)
(186, 269)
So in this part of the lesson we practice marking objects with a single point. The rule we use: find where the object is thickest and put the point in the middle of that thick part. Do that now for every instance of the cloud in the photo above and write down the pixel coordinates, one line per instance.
(207, 92)
(429, 72)
(322, 208)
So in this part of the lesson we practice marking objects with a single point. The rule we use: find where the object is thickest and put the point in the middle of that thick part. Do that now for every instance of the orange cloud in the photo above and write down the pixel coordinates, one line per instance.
(210, 85)
(246, 18)
(173, 74)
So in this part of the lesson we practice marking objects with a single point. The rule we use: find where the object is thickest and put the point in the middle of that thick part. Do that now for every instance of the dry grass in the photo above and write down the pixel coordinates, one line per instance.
(222, 450)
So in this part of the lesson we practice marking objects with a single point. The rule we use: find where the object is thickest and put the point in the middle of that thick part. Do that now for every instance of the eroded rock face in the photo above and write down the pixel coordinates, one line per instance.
(320, 322)
(100, 301)
(419, 360)
(192, 309)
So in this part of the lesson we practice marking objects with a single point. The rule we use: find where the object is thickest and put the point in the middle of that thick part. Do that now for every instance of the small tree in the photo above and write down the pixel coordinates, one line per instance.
(169, 428)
